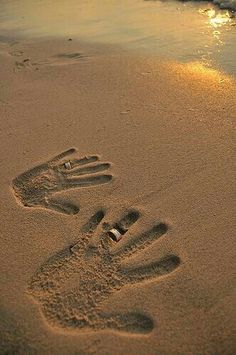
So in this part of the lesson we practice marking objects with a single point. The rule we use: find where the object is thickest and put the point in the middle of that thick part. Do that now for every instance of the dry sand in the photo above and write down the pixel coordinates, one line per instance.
(164, 134)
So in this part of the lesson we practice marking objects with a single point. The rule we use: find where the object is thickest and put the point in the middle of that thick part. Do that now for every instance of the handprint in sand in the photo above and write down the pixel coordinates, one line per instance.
(72, 286)
(38, 186)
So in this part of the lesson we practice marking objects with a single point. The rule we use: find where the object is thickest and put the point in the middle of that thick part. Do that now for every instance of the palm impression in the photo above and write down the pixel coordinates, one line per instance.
(38, 186)
(72, 286)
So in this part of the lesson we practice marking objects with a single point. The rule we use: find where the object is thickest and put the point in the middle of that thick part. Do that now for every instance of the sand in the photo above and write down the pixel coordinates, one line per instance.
(148, 149)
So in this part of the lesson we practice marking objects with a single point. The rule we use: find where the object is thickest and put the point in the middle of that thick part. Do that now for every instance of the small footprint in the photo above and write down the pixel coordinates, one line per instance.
(65, 58)
(74, 55)
(73, 284)
(37, 187)
(25, 64)
(16, 53)
(22, 64)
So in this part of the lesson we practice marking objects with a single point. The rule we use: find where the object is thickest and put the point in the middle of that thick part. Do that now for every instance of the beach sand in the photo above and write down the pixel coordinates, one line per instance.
(163, 132)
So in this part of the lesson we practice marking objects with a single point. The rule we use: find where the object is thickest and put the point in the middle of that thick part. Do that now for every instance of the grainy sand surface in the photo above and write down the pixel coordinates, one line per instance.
(159, 147)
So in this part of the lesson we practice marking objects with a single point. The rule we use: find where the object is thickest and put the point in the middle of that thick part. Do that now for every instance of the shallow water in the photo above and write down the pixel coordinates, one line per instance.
(187, 32)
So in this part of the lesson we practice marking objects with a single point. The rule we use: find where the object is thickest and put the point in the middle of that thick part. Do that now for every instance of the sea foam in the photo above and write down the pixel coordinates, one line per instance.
(222, 4)
(226, 4)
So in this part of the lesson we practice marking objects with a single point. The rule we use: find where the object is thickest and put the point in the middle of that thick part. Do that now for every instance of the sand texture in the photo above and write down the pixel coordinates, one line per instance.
(92, 139)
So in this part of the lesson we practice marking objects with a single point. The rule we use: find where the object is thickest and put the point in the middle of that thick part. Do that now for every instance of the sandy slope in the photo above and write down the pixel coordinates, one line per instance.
(167, 132)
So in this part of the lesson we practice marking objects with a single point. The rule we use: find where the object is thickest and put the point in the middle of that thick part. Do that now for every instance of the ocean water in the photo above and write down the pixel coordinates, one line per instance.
(183, 31)
(226, 4)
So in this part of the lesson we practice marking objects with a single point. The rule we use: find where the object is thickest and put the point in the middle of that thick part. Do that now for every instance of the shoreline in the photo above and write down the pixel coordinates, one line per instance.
(189, 31)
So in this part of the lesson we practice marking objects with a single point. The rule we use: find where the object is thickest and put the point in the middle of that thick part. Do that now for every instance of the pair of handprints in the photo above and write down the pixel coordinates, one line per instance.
(72, 285)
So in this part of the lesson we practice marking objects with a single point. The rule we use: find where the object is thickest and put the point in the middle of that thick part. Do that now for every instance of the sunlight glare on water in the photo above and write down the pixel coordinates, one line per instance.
(183, 31)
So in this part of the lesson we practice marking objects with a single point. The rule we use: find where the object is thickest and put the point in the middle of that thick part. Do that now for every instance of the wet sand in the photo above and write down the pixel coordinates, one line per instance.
(181, 31)
(159, 147)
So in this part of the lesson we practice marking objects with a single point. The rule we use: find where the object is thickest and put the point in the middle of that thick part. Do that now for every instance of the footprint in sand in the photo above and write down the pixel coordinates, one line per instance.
(72, 286)
(16, 53)
(22, 64)
(67, 58)
(58, 59)
(37, 187)
(25, 64)
(63, 59)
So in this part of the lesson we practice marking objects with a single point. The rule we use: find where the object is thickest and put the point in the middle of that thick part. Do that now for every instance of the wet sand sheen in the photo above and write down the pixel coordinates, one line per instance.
(179, 31)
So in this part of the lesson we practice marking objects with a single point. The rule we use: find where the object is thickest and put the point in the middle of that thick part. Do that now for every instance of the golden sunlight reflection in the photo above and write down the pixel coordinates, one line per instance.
(197, 77)
(218, 22)
(212, 75)
(217, 19)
